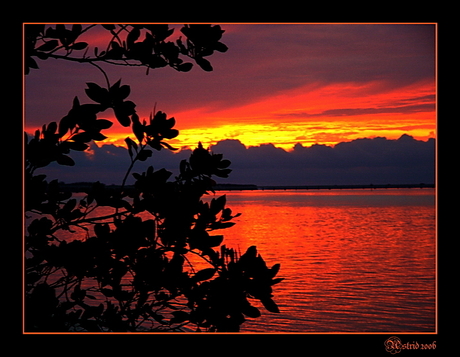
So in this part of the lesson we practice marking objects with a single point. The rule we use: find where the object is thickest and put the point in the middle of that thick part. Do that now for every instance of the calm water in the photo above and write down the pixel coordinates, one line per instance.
(353, 260)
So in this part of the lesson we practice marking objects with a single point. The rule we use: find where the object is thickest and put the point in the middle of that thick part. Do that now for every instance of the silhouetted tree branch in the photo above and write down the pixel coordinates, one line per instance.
(131, 271)
(153, 51)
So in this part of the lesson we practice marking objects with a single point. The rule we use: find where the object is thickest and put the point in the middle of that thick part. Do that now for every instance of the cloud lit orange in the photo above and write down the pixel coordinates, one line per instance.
(312, 114)
(279, 84)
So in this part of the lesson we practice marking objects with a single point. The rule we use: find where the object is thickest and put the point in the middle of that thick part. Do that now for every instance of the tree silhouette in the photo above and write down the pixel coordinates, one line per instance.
(134, 269)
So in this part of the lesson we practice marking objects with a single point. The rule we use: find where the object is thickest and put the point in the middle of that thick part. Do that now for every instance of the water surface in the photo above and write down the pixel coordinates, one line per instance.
(353, 260)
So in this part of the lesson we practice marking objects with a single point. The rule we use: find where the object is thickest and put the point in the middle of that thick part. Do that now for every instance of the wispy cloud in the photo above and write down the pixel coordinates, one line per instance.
(301, 76)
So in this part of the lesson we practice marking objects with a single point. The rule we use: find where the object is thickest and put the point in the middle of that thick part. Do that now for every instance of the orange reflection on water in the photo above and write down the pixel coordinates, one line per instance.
(353, 260)
(361, 261)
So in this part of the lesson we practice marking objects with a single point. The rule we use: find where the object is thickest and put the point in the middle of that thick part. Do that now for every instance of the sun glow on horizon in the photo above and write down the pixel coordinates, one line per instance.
(307, 115)
(317, 115)
(285, 136)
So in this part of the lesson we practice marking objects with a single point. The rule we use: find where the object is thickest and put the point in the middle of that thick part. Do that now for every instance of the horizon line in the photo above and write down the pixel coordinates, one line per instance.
(78, 186)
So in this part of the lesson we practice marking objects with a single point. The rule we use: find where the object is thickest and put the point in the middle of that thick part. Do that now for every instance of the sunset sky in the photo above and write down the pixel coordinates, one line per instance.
(280, 84)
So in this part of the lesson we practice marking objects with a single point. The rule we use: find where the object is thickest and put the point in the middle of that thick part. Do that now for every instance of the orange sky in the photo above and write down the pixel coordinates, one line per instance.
(311, 114)
(279, 84)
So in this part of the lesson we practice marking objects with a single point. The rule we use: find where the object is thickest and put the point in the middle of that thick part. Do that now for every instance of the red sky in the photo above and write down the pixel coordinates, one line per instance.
(279, 84)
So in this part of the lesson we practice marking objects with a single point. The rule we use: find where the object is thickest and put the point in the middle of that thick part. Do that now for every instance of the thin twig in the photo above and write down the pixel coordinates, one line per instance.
(103, 72)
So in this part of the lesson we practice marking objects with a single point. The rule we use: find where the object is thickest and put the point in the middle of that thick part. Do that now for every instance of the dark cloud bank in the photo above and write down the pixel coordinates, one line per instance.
(362, 161)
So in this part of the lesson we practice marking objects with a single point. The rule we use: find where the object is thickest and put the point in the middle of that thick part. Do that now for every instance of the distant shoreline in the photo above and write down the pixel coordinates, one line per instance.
(346, 187)
(84, 186)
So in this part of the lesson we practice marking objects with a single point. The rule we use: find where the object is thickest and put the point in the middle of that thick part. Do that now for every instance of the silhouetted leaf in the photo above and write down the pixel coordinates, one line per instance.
(119, 203)
(222, 225)
(185, 67)
(165, 144)
(224, 164)
(219, 46)
(30, 63)
(50, 32)
(169, 123)
(52, 127)
(98, 136)
(70, 205)
(103, 124)
(76, 29)
(77, 146)
(144, 154)
(119, 93)
(82, 137)
(274, 270)
(133, 36)
(79, 46)
(48, 46)
(215, 241)
(160, 31)
(218, 204)
(227, 214)
(155, 144)
(76, 102)
(42, 55)
(116, 51)
(123, 112)
(183, 166)
(223, 173)
(276, 281)
(204, 64)
(250, 254)
(40, 226)
(123, 92)
(107, 292)
(92, 311)
(131, 144)
(101, 230)
(170, 133)
(138, 128)
(65, 124)
(65, 160)
(179, 316)
(250, 311)
(270, 305)
(78, 293)
(97, 93)
(156, 61)
(204, 274)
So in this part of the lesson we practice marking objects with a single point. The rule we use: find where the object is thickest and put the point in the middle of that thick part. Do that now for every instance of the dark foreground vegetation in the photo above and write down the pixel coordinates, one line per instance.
(136, 269)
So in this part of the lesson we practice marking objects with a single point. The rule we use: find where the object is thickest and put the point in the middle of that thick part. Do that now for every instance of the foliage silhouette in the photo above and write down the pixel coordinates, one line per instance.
(134, 270)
